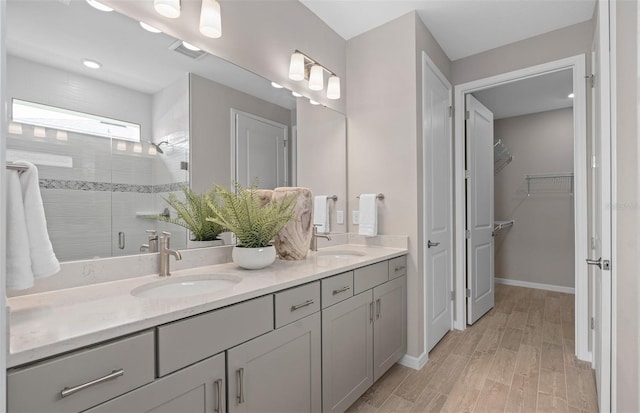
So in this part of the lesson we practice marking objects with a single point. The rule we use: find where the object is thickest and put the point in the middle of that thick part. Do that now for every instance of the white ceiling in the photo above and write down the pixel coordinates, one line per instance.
(461, 27)
(531, 95)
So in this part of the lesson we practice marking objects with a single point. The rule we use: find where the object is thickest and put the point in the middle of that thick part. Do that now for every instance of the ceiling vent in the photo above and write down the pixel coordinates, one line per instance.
(178, 47)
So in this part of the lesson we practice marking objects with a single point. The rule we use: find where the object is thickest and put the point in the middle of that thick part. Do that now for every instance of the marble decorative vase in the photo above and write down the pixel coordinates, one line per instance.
(253, 258)
(292, 242)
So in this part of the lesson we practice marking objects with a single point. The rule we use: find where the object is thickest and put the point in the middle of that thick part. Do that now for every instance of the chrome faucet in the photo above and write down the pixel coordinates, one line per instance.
(315, 236)
(165, 253)
(152, 242)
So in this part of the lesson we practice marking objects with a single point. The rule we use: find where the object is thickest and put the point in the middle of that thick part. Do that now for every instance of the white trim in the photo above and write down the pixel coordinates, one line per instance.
(537, 286)
(415, 363)
(427, 62)
(4, 308)
(613, 96)
(577, 64)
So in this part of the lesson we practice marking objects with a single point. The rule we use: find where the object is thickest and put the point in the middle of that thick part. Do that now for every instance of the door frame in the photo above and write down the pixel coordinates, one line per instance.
(428, 63)
(234, 144)
(577, 65)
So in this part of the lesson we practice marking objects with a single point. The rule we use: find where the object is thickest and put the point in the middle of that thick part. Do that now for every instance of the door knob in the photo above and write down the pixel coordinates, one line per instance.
(432, 244)
(597, 262)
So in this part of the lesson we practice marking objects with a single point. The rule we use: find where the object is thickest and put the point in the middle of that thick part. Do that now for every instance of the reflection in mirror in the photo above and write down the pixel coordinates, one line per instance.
(191, 108)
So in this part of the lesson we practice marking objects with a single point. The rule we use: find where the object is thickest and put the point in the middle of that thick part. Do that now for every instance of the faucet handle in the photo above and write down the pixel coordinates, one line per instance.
(152, 234)
(168, 234)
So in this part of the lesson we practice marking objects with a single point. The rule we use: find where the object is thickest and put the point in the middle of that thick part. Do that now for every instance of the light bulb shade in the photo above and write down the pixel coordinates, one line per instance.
(316, 79)
(296, 67)
(210, 19)
(333, 87)
(167, 8)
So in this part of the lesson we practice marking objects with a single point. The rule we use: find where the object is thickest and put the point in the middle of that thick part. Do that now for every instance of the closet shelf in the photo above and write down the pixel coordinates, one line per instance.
(556, 183)
(498, 225)
(501, 156)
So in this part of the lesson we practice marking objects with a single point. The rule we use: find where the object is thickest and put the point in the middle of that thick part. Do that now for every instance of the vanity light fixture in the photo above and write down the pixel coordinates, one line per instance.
(97, 5)
(91, 64)
(210, 19)
(167, 8)
(303, 67)
(570, 95)
(149, 28)
(190, 46)
(296, 94)
(276, 85)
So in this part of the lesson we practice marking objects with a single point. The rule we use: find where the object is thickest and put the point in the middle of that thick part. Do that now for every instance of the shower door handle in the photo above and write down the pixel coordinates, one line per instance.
(597, 262)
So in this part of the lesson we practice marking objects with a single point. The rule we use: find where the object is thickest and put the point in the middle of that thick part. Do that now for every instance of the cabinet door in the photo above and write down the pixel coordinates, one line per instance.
(389, 328)
(195, 389)
(347, 351)
(278, 372)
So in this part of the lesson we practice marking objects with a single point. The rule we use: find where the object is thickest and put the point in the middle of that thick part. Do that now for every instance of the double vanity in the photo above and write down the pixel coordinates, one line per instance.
(298, 336)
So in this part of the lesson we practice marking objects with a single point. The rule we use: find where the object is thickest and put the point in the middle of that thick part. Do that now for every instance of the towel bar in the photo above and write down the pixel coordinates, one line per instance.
(333, 197)
(379, 196)
(14, 167)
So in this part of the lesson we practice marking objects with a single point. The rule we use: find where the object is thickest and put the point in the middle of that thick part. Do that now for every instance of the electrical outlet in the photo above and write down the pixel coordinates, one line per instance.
(340, 217)
(356, 218)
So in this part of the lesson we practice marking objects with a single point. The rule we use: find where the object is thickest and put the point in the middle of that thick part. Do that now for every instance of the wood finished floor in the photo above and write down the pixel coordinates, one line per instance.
(517, 358)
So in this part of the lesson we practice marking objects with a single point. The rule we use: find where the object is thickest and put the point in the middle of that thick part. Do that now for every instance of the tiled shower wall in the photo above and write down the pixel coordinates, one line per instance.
(93, 188)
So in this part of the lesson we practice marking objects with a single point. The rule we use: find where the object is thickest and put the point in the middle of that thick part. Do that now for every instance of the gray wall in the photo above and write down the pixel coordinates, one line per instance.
(539, 248)
(627, 201)
(210, 128)
(383, 68)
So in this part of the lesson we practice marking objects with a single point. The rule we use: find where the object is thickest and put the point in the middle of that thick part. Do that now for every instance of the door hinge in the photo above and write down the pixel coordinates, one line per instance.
(606, 265)
(591, 79)
(184, 165)
(467, 115)
(450, 111)
(593, 323)
(467, 234)
(468, 292)
(593, 243)
(453, 295)
(467, 174)
(286, 142)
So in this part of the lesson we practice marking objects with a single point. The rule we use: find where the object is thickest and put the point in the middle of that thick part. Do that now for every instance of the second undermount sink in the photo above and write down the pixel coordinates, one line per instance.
(186, 286)
(341, 254)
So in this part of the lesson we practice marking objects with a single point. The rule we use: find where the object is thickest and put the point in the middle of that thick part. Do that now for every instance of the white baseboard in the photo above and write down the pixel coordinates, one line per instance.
(415, 363)
(538, 286)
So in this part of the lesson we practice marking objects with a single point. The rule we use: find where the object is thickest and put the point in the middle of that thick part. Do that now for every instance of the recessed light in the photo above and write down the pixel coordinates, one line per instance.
(190, 46)
(313, 102)
(97, 5)
(92, 64)
(149, 28)
(39, 132)
(570, 95)
(296, 94)
(276, 85)
(61, 135)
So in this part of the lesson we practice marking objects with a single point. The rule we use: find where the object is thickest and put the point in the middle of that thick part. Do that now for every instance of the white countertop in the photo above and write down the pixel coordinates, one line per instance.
(50, 323)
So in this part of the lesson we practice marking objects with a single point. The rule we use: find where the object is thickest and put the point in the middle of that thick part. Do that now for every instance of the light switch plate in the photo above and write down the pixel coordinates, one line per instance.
(356, 218)
(340, 217)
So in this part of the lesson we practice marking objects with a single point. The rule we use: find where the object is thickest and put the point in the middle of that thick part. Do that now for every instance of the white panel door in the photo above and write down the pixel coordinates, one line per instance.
(437, 146)
(601, 193)
(479, 125)
(260, 147)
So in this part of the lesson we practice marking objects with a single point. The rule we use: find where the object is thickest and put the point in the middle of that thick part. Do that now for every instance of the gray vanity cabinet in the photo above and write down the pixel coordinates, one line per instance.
(199, 388)
(362, 337)
(277, 372)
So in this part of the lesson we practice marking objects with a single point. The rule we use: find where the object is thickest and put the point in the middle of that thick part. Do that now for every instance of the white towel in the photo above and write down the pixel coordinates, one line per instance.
(368, 226)
(321, 214)
(29, 251)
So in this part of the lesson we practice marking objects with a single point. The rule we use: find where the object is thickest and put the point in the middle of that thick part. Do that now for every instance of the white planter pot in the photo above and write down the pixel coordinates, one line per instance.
(204, 244)
(254, 258)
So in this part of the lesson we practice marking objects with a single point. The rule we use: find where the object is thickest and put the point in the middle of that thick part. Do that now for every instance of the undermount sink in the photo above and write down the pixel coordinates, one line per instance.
(186, 286)
(340, 254)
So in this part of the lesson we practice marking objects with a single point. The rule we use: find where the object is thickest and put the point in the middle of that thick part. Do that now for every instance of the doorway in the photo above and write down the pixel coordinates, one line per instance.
(576, 65)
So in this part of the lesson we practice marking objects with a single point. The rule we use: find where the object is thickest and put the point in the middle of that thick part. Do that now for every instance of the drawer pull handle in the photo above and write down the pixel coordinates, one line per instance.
(240, 374)
(378, 305)
(341, 290)
(68, 391)
(218, 384)
(299, 306)
(403, 267)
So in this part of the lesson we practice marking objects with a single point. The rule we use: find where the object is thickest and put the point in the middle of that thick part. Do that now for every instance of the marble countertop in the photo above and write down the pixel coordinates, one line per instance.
(45, 324)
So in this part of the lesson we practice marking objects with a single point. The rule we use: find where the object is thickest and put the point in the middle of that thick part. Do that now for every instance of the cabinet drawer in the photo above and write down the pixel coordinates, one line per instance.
(337, 288)
(296, 303)
(397, 267)
(105, 371)
(185, 342)
(366, 278)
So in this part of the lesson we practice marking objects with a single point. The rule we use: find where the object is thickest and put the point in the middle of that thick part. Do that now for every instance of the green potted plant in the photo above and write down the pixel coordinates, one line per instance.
(253, 223)
(192, 214)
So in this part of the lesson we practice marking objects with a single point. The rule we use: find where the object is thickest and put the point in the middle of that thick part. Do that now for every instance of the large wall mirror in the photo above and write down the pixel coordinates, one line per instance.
(110, 143)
